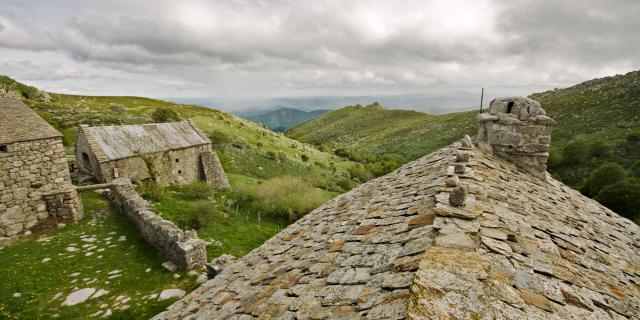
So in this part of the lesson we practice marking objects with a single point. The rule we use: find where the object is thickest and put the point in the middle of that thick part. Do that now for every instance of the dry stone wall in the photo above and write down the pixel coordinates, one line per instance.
(29, 170)
(184, 249)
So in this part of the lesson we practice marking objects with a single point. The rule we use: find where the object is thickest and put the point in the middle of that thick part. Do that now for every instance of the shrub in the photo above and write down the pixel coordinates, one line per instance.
(197, 190)
(600, 149)
(317, 178)
(607, 174)
(359, 172)
(164, 115)
(304, 157)
(623, 197)
(116, 107)
(635, 169)
(346, 184)
(239, 143)
(150, 190)
(259, 145)
(575, 152)
(288, 198)
(218, 138)
(634, 141)
(198, 215)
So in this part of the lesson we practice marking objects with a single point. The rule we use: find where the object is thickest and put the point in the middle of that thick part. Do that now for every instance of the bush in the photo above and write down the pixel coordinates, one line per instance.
(607, 174)
(288, 198)
(197, 190)
(575, 152)
(600, 149)
(623, 197)
(304, 158)
(218, 138)
(360, 172)
(239, 143)
(116, 107)
(346, 184)
(635, 169)
(150, 190)
(164, 115)
(200, 214)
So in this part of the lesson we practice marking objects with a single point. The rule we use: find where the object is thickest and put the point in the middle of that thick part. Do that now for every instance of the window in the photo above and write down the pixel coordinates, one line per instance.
(510, 106)
(3, 148)
(179, 171)
(177, 160)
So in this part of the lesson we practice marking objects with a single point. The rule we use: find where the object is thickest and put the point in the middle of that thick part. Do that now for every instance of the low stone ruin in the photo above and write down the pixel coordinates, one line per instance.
(183, 248)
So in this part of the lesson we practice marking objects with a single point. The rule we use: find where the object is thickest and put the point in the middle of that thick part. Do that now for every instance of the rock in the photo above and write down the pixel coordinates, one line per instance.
(122, 238)
(171, 293)
(452, 181)
(169, 265)
(17, 295)
(459, 168)
(71, 249)
(202, 278)
(462, 156)
(46, 260)
(75, 274)
(535, 299)
(61, 225)
(107, 313)
(192, 273)
(458, 196)
(100, 293)
(466, 141)
(458, 240)
(78, 296)
(218, 264)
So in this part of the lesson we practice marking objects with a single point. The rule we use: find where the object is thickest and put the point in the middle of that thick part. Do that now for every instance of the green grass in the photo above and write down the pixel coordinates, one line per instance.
(238, 227)
(23, 270)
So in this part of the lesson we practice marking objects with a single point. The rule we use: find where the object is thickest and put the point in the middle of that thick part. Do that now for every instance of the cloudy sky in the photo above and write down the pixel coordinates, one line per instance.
(254, 48)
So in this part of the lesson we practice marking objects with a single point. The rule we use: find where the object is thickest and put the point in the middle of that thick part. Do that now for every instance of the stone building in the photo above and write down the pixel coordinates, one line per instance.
(461, 233)
(34, 176)
(178, 152)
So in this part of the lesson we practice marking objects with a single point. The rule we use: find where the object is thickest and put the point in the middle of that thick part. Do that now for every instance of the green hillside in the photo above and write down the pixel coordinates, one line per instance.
(375, 130)
(282, 119)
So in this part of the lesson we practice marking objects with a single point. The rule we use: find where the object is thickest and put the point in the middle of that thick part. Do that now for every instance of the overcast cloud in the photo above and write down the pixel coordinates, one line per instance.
(254, 48)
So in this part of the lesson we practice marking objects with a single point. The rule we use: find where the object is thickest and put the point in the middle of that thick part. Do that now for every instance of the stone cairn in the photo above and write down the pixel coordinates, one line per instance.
(518, 130)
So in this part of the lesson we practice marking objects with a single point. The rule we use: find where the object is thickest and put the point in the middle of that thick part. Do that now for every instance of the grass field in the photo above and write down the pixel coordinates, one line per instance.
(102, 251)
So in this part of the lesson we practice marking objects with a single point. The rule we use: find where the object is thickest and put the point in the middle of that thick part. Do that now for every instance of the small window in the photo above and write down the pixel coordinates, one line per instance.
(3, 148)
(510, 106)
(177, 160)
(179, 171)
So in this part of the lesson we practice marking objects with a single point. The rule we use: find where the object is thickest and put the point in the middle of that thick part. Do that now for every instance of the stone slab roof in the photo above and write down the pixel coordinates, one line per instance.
(519, 248)
(19, 123)
(118, 142)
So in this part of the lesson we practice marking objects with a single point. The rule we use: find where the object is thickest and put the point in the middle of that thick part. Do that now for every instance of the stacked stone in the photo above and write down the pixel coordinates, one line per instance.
(28, 170)
(518, 130)
(65, 204)
(184, 249)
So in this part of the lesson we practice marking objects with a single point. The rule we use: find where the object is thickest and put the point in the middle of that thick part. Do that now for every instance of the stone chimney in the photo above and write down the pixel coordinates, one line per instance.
(518, 130)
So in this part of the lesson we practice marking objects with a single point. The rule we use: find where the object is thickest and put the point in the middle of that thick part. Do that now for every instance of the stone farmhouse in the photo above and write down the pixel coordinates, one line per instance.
(475, 230)
(175, 153)
(34, 174)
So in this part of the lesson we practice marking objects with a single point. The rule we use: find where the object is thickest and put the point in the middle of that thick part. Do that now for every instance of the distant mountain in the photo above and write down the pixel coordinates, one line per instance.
(283, 119)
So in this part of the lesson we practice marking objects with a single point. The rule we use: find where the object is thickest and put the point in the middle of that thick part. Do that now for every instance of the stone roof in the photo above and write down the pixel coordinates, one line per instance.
(19, 123)
(117, 142)
(519, 247)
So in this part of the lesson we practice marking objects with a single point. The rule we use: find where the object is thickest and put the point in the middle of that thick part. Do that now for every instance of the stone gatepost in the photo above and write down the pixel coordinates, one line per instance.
(518, 130)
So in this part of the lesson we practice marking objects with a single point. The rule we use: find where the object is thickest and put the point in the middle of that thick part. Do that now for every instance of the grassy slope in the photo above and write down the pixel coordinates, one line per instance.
(407, 134)
(66, 112)
(23, 270)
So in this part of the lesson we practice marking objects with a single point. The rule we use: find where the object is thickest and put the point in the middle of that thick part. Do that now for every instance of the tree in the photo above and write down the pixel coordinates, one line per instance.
(575, 152)
(164, 115)
(623, 197)
(147, 149)
(600, 149)
(607, 174)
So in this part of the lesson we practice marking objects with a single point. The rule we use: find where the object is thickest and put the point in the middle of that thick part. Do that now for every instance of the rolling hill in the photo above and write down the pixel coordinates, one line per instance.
(283, 119)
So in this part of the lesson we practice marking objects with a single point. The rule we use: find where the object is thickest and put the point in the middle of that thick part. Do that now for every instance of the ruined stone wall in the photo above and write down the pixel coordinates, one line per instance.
(86, 160)
(183, 248)
(212, 171)
(28, 170)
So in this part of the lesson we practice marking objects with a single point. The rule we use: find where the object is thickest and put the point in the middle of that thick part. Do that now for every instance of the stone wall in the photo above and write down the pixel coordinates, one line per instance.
(65, 204)
(28, 171)
(182, 248)
(212, 171)
(518, 130)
